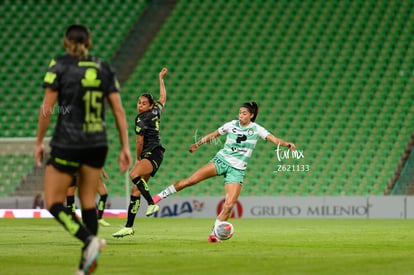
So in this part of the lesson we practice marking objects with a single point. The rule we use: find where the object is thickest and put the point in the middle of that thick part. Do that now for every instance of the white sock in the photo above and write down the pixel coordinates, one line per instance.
(167, 191)
(215, 224)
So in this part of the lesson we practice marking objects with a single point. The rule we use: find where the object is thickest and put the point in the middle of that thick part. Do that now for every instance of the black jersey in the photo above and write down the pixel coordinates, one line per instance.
(148, 125)
(82, 86)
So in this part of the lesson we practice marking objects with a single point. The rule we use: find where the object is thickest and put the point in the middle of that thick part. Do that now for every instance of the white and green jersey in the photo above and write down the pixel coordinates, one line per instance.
(240, 142)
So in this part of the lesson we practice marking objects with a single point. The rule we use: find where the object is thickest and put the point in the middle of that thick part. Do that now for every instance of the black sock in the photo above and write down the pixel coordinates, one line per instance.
(70, 203)
(101, 205)
(70, 222)
(132, 210)
(143, 188)
(90, 220)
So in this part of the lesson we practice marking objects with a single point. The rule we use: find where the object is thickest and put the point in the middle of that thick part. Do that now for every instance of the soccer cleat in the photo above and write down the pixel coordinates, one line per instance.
(91, 253)
(103, 222)
(126, 231)
(156, 199)
(79, 272)
(152, 209)
(213, 239)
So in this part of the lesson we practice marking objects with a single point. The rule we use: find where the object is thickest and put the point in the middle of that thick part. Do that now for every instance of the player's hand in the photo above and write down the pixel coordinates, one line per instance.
(163, 73)
(193, 147)
(38, 155)
(125, 160)
(291, 146)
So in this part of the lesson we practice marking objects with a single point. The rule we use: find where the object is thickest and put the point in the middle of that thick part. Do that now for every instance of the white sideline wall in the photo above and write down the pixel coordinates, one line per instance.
(341, 207)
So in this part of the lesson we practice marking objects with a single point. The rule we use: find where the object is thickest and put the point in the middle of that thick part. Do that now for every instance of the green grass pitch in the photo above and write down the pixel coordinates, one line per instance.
(179, 246)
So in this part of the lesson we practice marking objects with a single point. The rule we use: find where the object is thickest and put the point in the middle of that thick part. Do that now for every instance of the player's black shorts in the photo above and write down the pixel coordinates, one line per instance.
(70, 160)
(155, 157)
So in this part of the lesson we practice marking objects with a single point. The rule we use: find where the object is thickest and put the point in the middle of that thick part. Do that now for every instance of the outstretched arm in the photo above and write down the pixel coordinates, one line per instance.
(205, 139)
(163, 91)
(281, 142)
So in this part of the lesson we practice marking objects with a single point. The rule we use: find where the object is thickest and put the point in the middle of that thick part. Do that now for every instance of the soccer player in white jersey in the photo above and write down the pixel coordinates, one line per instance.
(231, 161)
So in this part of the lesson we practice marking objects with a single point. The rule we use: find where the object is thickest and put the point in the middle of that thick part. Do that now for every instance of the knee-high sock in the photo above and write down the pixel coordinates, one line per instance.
(132, 210)
(101, 205)
(70, 203)
(70, 222)
(167, 191)
(90, 220)
(143, 188)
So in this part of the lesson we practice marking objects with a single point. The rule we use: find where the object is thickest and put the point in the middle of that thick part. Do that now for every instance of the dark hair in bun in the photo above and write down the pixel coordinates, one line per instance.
(253, 108)
(150, 97)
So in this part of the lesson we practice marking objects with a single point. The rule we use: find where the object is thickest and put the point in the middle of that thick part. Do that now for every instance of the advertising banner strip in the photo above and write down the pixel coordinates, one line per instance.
(355, 207)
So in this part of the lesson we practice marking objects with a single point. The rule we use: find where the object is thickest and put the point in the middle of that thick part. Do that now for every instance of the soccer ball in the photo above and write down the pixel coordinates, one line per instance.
(224, 230)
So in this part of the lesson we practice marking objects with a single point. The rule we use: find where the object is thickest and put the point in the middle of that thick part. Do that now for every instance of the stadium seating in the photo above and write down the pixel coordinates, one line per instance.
(331, 76)
(31, 35)
(30, 41)
(335, 77)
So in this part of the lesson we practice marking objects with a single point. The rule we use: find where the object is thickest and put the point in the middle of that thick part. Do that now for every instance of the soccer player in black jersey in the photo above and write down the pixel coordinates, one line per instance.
(79, 83)
(149, 154)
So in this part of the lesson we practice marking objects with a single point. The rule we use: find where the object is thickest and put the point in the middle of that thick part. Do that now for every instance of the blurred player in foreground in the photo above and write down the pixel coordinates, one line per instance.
(79, 83)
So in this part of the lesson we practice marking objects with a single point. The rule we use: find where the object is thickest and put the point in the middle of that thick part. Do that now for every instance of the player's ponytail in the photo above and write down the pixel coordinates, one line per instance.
(253, 108)
(77, 40)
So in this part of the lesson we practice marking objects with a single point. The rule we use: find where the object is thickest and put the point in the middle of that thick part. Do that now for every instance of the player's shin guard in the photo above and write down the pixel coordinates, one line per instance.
(143, 188)
(70, 222)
